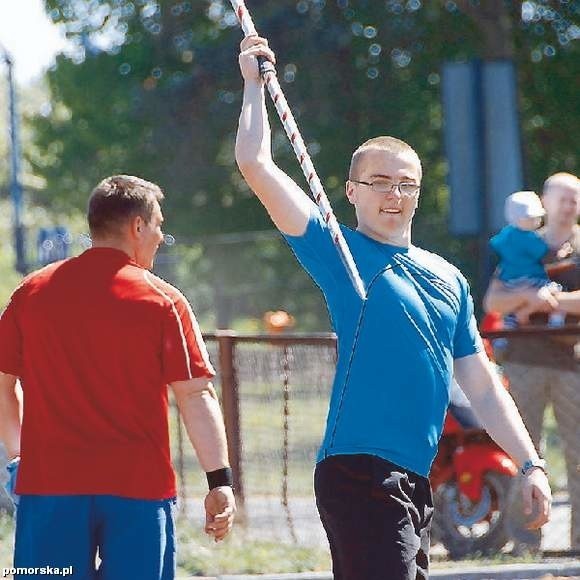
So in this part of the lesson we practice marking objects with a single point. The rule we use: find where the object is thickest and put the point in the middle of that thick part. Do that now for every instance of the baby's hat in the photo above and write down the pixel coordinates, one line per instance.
(523, 204)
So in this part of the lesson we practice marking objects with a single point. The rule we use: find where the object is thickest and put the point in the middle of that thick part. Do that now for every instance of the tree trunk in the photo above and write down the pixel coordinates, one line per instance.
(494, 21)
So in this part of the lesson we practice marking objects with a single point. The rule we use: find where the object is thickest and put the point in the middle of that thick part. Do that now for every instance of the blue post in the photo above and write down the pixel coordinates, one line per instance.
(483, 147)
(15, 185)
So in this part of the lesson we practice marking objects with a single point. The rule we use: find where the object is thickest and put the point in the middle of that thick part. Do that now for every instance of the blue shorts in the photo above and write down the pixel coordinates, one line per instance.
(134, 538)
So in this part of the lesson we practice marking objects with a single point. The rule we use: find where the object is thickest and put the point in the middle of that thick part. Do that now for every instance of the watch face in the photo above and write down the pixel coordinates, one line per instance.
(529, 464)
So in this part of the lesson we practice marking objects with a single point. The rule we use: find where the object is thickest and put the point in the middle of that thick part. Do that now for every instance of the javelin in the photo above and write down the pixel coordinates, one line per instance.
(268, 73)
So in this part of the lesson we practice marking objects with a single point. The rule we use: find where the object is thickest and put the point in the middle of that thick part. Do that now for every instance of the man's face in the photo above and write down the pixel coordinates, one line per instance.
(562, 203)
(385, 217)
(148, 239)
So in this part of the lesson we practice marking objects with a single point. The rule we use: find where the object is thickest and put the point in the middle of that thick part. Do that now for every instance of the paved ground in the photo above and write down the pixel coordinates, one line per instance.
(267, 520)
(544, 571)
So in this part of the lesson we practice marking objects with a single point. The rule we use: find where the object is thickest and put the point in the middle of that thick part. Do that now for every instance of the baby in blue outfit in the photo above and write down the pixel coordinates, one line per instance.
(521, 249)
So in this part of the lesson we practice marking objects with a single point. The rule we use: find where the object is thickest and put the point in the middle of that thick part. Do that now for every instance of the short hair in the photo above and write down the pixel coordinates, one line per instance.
(383, 143)
(119, 198)
(561, 178)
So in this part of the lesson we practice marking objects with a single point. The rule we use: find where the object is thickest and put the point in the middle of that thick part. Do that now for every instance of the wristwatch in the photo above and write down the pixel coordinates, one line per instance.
(531, 463)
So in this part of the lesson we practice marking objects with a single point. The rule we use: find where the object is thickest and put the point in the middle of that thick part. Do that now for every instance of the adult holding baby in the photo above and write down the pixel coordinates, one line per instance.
(546, 369)
(521, 250)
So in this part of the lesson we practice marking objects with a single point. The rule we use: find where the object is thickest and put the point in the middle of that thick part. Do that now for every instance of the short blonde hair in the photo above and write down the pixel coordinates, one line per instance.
(561, 178)
(383, 143)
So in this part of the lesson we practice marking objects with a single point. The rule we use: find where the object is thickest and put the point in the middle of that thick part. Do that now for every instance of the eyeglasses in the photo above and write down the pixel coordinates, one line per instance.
(406, 189)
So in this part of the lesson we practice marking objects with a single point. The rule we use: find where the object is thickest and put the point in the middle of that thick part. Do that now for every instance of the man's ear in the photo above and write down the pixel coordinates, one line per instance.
(136, 226)
(350, 192)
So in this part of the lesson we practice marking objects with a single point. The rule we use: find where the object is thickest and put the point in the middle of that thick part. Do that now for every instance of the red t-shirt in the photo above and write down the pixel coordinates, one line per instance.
(95, 340)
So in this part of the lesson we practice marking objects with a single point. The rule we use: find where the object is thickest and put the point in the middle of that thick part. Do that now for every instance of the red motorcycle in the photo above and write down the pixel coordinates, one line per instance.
(472, 480)
(472, 489)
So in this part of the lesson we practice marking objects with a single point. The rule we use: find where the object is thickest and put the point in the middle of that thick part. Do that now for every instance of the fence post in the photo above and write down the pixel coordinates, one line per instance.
(231, 404)
(181, 464)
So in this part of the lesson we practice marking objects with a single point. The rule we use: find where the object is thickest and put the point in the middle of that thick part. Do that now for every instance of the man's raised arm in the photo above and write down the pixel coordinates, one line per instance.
(287, 204)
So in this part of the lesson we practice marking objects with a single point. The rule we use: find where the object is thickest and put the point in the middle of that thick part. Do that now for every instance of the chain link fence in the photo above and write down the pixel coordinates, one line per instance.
(279, 386)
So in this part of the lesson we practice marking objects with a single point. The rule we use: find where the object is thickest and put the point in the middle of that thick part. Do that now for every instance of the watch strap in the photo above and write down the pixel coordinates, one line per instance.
(531, 463)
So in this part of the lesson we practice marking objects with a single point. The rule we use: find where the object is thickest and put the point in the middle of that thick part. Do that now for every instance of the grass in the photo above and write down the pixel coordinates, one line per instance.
(262, 438)
(198, 555)
(496, 560)
(499, 558)
(552, 450)
(6, 535)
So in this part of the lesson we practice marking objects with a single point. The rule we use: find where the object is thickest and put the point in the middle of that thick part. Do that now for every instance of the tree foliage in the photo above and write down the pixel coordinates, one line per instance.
(152, 88)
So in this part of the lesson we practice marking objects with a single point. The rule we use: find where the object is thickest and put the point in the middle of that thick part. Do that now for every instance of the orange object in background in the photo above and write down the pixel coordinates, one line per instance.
(278, 320)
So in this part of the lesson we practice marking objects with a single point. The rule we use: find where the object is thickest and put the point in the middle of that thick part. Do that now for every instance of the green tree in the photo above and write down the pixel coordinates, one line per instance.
(153, 89)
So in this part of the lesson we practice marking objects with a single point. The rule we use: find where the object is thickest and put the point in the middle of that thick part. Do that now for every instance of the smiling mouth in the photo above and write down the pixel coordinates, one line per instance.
(390, 210)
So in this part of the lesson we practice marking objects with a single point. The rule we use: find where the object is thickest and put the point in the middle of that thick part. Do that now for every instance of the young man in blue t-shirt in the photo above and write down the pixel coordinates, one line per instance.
(397, 351)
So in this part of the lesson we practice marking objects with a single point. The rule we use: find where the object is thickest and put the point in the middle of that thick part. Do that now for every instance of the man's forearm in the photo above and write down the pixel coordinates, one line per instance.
(204, 423)
(569, 301)
(288, 206)
(500, 417)
(494, 406)
(253, 142)
(10, 415)
(500, 299)
(504, 300)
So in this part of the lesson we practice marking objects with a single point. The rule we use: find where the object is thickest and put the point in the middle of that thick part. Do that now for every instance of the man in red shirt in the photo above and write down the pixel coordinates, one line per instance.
(94, 341)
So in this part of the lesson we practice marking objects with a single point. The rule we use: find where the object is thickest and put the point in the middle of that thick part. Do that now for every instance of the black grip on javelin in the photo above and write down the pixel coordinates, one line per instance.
(265, 66)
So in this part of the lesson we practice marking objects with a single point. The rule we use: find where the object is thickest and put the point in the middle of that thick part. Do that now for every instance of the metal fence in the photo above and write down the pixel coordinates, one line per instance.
(275, 391)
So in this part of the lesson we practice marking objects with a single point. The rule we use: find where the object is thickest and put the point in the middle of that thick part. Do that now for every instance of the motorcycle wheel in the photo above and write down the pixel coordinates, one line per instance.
(466, 528)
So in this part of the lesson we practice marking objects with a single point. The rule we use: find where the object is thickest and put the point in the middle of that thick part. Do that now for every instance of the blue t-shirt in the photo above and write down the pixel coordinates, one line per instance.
(520, 254)
(396, 350)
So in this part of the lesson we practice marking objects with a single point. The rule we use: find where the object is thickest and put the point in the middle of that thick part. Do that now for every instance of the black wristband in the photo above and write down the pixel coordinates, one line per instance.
(220, 477)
